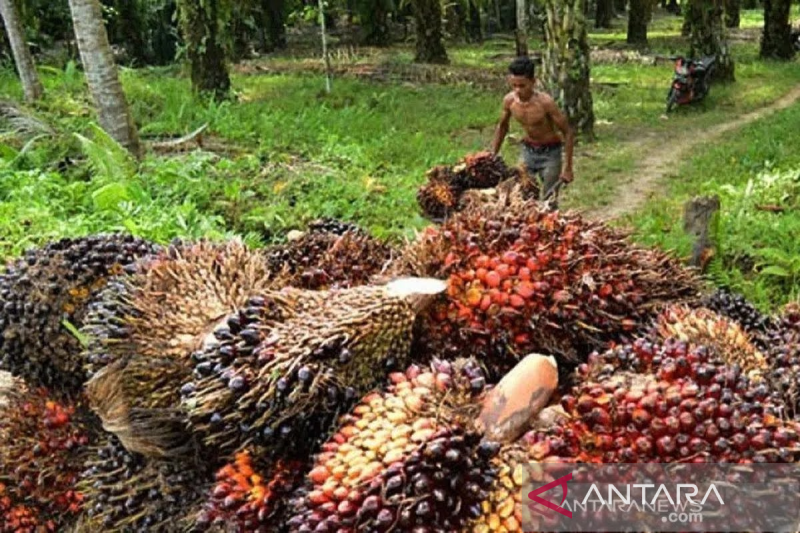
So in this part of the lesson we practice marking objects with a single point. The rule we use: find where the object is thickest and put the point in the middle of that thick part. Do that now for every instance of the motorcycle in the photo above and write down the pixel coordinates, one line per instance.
(690, 81)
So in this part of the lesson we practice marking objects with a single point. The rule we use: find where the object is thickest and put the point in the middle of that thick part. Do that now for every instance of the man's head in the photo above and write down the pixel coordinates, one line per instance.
(521, 77)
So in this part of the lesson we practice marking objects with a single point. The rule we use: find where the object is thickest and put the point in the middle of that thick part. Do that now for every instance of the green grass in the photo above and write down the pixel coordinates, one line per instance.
(749, 169)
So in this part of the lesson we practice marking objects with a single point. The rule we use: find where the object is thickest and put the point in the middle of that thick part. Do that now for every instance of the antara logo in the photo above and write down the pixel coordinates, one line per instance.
(562, 481)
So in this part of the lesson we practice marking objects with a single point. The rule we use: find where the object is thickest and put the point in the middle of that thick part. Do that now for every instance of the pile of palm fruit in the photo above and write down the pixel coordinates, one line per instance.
(337, 383)
(451, 188)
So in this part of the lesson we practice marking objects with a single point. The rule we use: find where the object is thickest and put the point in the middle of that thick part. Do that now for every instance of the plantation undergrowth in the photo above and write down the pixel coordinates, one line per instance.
(360, 153)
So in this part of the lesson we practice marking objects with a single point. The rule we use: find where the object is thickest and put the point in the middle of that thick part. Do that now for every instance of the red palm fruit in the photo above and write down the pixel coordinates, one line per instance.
(251, 495)
(651, 415)
(43, 443)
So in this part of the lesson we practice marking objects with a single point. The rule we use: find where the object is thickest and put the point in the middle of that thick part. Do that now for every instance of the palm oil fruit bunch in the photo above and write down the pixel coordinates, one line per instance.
(445, 187)
(172, 300)
(292, 360)
(330, 254)
(47, 291)
(735, 307)
(522, 278)
(784, 357)
(684, 405)
(42, 443)
(126, 492)
(250, 495)
(707, 328)
(480, 170)
(438, 199)
(144, 329)
(405, 458)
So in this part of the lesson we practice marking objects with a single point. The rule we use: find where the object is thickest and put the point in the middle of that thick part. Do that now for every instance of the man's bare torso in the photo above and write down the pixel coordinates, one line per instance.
(532, 116)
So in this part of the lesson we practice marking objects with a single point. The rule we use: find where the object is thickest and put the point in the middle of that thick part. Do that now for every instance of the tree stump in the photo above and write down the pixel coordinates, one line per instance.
(698, 215)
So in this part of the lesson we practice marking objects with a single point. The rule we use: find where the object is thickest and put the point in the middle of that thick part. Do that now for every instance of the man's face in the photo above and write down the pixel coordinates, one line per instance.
(522, 86)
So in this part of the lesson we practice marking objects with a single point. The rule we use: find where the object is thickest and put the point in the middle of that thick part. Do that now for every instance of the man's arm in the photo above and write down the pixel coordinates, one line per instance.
(563, 124)
(502, 126)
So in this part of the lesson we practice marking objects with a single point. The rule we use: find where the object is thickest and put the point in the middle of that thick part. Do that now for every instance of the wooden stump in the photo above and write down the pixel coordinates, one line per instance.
(698, 214)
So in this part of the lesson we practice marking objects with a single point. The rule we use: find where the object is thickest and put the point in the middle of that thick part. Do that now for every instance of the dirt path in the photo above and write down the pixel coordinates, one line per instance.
(658, 162)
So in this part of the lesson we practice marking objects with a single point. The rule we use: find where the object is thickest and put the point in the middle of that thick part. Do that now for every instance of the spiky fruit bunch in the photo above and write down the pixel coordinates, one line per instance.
(784, 358)
(480, 170)
(330, 255)
(49, 287)
(406, 456)
(125, 492)
(171, 301)
(707, 328)
(687, 405)
(42, 442)
(250, 496)
(523, 279)
(438, 199)
(737, 308)
(292, 362)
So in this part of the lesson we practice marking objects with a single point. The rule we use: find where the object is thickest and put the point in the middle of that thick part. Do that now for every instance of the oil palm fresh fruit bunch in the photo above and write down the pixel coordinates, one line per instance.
(707, 328)
(330, 254)
(45, 296)
(647, 402)
(438, 199)
(406, 458)
(279, 372)
(144, 327)
(480, 170)
(522, 278)
(169, 302)
(251, 495)
(127, 492)
(42, 443)
(735, 307)
(783, 356)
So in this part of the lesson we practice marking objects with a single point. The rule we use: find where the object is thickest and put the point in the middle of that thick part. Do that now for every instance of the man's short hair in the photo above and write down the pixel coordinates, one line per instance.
(522, 66)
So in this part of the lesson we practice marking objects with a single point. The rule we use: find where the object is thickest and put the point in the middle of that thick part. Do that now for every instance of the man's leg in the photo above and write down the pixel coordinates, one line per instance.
(551, 178)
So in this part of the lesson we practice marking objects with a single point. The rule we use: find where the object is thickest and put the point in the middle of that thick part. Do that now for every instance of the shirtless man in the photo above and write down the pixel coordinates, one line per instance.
(539, 116)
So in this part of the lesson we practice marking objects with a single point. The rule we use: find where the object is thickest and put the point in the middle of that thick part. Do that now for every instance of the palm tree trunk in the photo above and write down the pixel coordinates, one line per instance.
(708, 36)
(429, 45)
(202, 24)
(604, 13)
(101, 73)
(566, 62)
(522, 28)
(31, 86)
(732, 9)
(637, 22)
(776, 39)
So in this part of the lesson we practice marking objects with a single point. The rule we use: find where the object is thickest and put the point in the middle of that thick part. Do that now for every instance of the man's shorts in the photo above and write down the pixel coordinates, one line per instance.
(544, 161)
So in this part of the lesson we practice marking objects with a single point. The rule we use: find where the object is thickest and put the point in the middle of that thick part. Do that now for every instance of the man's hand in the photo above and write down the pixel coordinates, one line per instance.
(566, 176)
